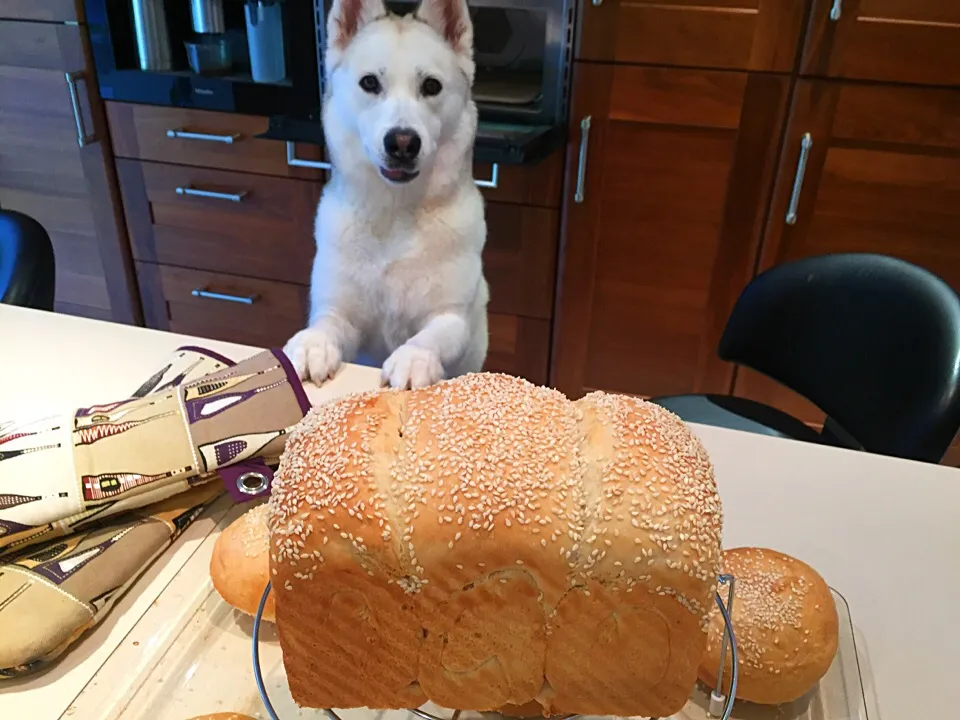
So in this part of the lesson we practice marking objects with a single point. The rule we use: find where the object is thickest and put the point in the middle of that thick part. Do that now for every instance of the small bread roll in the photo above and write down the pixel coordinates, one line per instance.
(240, 565)
(785, 622)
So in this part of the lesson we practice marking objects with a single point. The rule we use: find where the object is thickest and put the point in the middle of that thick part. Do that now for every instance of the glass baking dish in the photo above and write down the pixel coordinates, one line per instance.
(194, 652)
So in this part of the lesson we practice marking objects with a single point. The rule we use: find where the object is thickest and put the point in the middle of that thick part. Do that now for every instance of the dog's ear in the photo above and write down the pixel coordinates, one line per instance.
(346, 19)
(451, 19)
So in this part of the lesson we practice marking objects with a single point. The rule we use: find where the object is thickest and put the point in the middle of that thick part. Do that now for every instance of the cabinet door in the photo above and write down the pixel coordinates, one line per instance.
(55, 165)
(662, 233)
(732, 34)
(882, 176)
(910, 41)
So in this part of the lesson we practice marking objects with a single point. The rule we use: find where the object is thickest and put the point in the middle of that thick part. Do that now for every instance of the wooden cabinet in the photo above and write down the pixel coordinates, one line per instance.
(730, 34)
(904, 41)
(882, 174)
(55, 161)
(43, 10)
(677, 167)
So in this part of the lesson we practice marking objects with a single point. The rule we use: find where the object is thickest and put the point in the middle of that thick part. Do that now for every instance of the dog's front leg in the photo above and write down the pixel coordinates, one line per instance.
(317, 352)
(420, 361)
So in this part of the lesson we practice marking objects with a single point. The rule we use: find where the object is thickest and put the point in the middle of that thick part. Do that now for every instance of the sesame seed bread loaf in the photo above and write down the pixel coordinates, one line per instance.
(785, 622)
(485, 542)
(240, 563)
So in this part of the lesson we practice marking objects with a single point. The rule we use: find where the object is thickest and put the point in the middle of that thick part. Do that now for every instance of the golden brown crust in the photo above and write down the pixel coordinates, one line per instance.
(785, 622)
(240, 564)
(484, 543)
(223, 716)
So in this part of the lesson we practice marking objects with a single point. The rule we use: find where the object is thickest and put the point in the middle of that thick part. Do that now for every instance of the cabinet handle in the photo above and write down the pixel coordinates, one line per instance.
(83, 139)
(597, 3)
(181, 134)
(805, 144)
(837, 10)
(294, 161)
(578, 196)
(200, 193)
(494, 180)
(242, 299)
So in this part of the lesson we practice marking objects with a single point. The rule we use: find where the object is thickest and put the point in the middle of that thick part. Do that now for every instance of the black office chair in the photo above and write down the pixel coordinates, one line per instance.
(27, 269)
(873, 341)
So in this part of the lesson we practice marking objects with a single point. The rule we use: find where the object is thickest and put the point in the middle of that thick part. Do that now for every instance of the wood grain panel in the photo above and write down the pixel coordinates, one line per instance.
(43, 46)
(888, 40)
(519, 346)
(876, 181)
(268, 234)
(277, 312)
(725, 34)
(46, 10)
(520, 259)
(666, 238)
(539, 184)
(140, 132)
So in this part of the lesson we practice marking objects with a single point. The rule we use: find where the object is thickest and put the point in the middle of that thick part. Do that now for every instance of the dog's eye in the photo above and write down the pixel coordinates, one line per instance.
(370, 84)
(431, 87)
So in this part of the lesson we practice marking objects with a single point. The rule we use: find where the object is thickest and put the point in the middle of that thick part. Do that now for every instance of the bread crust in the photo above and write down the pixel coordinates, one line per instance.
(240, 563)
(485, 542)
(786, 625)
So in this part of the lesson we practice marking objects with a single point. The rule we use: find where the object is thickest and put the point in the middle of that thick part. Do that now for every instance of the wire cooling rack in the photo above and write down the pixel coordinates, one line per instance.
(721, 706)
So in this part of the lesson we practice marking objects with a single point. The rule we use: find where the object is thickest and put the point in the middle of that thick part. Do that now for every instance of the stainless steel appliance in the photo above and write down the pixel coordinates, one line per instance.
(203, 54)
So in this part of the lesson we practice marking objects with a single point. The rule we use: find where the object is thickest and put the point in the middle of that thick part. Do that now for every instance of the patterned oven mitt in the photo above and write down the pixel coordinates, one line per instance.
(89, 500)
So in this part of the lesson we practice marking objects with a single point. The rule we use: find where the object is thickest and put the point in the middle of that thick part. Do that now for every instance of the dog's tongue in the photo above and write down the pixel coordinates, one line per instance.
(394, 174)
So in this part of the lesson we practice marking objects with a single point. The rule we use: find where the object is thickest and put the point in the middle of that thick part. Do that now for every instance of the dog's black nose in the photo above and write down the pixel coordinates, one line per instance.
(402, 144)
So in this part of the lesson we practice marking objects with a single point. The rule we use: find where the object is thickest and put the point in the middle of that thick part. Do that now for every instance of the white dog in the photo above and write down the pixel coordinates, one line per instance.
(400, 227)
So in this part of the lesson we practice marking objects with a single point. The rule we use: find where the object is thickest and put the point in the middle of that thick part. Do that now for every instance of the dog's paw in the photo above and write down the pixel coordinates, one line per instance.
(314, 355)
(412, 367)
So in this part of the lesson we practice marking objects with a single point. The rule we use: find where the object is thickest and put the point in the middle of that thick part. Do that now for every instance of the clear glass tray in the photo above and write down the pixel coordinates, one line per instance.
(206, 667)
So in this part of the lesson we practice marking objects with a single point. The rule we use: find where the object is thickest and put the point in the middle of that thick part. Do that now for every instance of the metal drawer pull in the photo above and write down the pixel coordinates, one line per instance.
(805, 145)
(243, 300)
(579, 194)
(294, 161)
(837, 10)
(494, 180)
(597, 3)
(181, 134)
(83, 139)
(197, 192)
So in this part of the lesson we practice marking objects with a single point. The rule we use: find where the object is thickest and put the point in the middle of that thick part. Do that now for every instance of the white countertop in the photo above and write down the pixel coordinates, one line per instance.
(884, 532)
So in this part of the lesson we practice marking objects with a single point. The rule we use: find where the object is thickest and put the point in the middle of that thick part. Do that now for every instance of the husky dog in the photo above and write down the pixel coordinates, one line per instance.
(400, 227)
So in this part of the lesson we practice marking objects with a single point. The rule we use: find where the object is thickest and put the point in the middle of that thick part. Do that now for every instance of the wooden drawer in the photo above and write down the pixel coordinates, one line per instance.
(142, 132)
(520, 259)
(255, 225)
(540, 184)
(721, 34)
(46, 10)
(43, 46)
(270, 315)
(519, 346)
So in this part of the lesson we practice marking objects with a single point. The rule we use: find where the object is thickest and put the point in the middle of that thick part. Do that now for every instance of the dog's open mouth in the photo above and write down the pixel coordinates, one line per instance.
(399, 175)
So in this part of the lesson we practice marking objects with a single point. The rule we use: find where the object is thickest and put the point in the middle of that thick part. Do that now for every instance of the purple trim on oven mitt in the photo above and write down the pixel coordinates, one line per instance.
(295, 382)
(232, 474)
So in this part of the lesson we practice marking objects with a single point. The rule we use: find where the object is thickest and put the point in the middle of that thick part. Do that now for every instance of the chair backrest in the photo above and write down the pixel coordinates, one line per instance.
(27, 269)
(873, 341)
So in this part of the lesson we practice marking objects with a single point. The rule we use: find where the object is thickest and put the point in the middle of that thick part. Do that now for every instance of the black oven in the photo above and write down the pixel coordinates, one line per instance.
(256, 57)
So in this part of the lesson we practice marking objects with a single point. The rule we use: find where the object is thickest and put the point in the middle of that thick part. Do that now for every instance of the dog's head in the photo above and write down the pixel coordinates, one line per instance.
(398, 87)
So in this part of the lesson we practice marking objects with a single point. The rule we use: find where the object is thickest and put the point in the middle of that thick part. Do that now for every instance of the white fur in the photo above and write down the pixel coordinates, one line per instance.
(397, 274)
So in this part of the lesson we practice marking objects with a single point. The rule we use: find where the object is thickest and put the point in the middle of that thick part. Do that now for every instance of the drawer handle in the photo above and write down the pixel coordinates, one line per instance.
(294, 161)
(190, 191)
(83, 139)
(805, 144)
(580, 194)
(181, 134)
(837, 10)
(597, 3)
(494, 182)
(242, 299)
